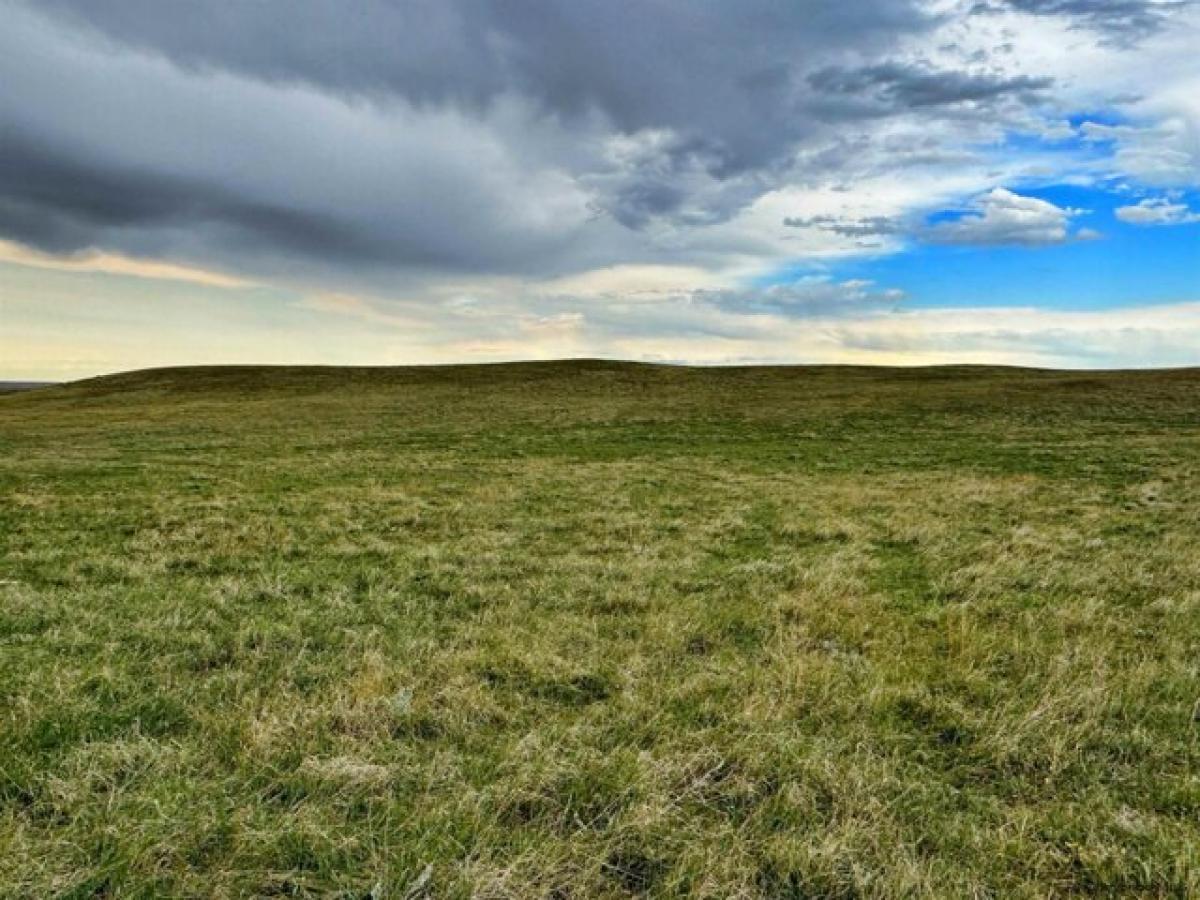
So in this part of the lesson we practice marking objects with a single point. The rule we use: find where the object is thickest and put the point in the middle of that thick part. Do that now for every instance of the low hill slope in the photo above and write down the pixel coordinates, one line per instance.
(594, 629)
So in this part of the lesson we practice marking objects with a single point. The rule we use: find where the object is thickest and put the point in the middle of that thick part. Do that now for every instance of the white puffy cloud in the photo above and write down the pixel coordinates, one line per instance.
(1004, 217)
(1157, 211)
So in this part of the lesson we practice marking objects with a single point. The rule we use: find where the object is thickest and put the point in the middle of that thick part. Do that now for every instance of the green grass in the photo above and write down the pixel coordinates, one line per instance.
(591, 629)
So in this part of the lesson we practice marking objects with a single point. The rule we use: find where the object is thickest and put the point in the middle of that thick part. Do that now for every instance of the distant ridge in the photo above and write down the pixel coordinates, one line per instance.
(614, 377)
(7, 387)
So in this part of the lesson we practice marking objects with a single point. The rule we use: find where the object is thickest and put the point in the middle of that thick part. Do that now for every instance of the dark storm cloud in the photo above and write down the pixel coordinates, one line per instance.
(57, 203)
(1121, 22)
(712, 70)
(887, 87)
(450, 136)
(462, 135)
(64, 204)
(127, 153)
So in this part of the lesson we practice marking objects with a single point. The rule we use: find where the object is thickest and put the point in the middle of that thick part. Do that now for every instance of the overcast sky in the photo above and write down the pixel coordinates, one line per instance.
(410, 181)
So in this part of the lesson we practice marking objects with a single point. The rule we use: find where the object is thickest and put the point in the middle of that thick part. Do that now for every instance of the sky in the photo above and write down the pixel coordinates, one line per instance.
(392, 182)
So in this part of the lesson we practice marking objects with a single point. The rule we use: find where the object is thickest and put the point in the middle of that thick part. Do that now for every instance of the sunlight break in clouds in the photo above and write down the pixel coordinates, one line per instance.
(114, 264)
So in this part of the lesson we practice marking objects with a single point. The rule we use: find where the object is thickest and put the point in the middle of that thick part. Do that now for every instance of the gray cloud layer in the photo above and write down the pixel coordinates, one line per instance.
(1120, 22)
(888, 87)
(387, 140)
(715, 74)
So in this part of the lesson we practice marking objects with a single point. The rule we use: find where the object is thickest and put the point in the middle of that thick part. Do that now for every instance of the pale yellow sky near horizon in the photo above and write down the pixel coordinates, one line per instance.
(67, 319)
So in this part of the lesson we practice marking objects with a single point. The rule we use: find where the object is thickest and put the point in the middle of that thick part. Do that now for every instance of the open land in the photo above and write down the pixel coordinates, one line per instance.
(590, 629)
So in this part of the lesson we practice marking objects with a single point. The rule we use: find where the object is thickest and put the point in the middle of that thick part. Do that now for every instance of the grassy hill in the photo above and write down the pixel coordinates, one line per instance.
(594, 629)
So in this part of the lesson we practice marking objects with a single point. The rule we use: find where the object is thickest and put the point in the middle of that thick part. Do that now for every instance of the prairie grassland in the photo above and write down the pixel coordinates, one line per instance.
(590, 629)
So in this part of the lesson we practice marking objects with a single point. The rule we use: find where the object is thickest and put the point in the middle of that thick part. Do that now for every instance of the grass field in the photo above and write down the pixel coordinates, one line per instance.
(590, 629)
